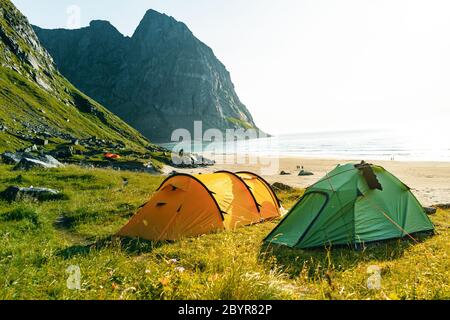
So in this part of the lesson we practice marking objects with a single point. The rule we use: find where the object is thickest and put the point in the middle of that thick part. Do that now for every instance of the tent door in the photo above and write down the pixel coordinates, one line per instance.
(301, 218)
(317, 201)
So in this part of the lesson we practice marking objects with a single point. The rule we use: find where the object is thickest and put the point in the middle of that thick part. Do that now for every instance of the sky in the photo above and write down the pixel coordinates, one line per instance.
(307, 65)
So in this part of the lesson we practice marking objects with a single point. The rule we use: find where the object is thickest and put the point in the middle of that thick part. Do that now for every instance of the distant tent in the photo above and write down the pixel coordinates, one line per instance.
(109, 155)
(191, 205)
(353, 204)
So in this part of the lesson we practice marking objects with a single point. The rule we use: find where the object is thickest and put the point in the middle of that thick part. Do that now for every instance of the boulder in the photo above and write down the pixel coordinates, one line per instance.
(149, 167)
(304, 173)
(29, 160)
(38, 194)
(186, 160)
(64, 152)
(46, 162)
(284, 173)
(11, 158)
(278, 186)
(32, 148)
(430, 210)
(51, 161)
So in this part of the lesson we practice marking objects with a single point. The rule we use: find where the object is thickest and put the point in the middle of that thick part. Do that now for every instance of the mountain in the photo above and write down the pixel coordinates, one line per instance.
(160, 79)
(37, 102)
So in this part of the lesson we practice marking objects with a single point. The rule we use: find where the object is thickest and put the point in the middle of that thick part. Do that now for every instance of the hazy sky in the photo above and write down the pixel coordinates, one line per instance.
(308, 65)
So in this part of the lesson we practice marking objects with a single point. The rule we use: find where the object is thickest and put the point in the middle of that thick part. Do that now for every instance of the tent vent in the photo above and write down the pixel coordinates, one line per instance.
(369, 176)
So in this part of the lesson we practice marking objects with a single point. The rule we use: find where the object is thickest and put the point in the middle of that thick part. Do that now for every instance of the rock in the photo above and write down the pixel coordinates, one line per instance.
(41, 142)
(443, 206)
(278, 186)
(191, 83)
(47, 134)
(3, 128)
(430, 210)
(304, 173)
(46, 162)
(202, 161)
(64, 152)
(199, 160)
(208, 162)
(24, 160)
(51, 161)
(149, 166)
(135, 167)
(11, 158)
(284, 173)
(39, 194)
(187, 160)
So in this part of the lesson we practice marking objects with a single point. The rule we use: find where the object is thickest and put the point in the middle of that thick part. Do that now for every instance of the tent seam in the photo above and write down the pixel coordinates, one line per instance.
(246, 187)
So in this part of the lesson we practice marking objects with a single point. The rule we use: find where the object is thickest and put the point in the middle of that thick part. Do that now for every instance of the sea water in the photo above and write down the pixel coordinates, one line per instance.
(406, 145)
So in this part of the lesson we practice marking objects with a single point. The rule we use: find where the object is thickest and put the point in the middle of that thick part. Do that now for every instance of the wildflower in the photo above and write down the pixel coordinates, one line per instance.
(164, 281)
(180, 269)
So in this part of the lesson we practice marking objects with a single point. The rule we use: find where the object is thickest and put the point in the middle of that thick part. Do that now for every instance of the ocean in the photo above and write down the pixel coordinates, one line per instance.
(350, 145)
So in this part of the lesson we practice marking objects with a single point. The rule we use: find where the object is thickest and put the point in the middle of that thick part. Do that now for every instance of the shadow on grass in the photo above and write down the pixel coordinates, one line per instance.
(128, 245)
(319, 262)
(69, 220)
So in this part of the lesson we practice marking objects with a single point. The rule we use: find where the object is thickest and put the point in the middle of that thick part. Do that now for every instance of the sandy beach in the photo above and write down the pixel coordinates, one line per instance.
(430, 181)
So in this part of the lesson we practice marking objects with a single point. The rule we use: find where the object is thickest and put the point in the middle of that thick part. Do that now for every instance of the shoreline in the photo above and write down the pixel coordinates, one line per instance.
(428, 180)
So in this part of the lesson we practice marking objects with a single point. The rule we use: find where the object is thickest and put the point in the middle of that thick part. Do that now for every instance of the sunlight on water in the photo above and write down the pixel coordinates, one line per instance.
(421, 144)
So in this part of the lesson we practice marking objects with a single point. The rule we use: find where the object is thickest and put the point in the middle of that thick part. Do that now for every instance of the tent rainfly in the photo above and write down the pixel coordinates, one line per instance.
(191, 205)
(351, 205)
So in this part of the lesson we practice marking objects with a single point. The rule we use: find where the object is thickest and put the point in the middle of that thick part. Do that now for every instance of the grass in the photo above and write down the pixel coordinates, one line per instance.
(240, 123)
(39, 242)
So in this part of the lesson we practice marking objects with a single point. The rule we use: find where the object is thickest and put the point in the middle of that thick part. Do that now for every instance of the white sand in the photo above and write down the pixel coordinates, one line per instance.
(430, 181)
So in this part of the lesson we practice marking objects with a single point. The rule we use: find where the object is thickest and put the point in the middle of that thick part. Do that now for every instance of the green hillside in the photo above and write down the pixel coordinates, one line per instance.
(36, 101)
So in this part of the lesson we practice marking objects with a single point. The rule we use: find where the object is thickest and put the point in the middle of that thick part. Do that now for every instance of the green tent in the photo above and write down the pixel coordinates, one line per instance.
(353, 204)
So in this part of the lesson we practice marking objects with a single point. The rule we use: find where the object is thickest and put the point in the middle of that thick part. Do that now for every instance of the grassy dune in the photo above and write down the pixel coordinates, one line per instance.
(38, 242)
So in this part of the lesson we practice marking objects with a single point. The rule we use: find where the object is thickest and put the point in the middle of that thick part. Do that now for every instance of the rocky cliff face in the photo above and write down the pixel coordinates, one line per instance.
(37, 102)
(21, 50)
(161, 79)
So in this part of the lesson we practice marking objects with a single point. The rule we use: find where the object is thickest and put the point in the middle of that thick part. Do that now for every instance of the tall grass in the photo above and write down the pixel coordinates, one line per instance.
(39, 241)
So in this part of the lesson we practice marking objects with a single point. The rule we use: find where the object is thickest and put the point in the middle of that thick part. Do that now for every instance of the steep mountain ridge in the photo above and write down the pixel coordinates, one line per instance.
(160, 79)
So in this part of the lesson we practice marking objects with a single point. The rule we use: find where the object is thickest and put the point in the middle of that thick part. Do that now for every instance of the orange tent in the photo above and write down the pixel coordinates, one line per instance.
(111, 156)
(191, 205)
